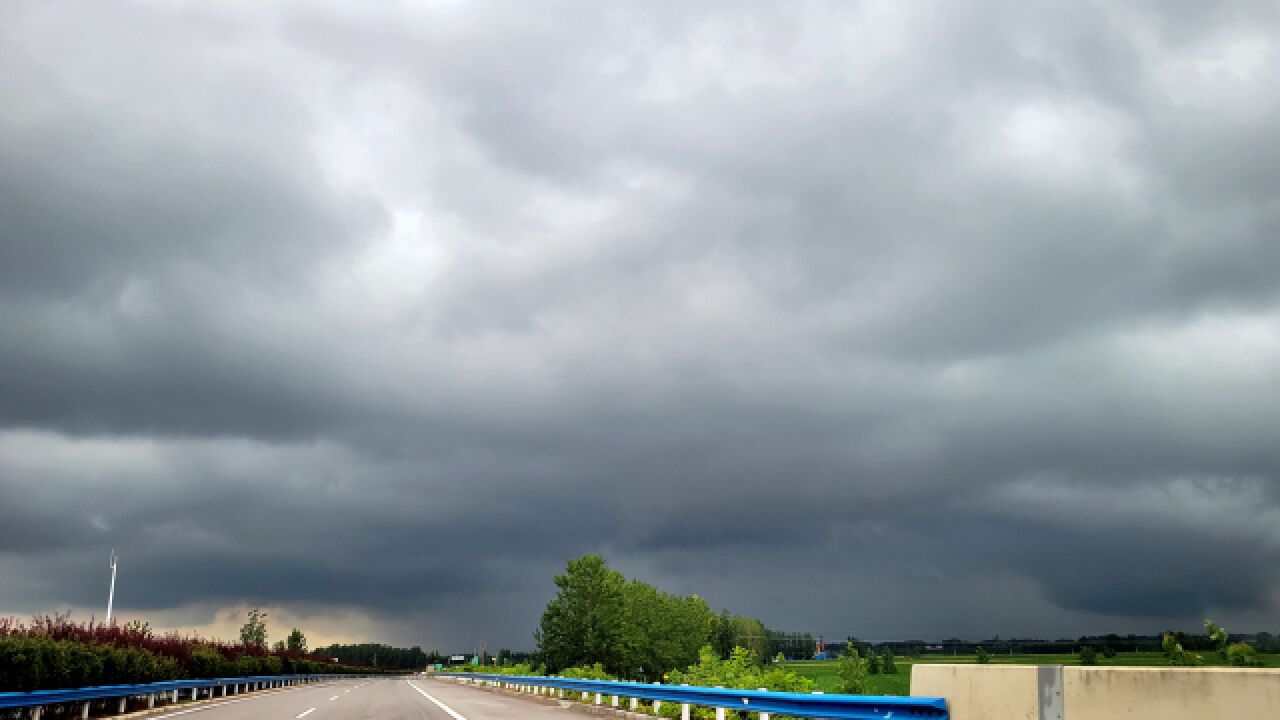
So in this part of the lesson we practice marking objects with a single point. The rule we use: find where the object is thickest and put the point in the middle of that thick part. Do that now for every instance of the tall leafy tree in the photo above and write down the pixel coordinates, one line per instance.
(585, 622)
(662, 631)
(297, 642)
(254, 632)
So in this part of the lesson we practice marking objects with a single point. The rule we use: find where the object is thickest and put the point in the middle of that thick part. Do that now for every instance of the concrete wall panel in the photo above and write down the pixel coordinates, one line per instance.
(981, 692)
(1029, 692)
(1102, 693)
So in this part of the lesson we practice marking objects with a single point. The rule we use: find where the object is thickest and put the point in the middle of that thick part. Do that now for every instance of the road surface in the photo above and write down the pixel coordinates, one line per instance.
(416, 698)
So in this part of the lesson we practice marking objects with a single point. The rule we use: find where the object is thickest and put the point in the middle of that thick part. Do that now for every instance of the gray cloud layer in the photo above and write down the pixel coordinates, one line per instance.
(881, 318)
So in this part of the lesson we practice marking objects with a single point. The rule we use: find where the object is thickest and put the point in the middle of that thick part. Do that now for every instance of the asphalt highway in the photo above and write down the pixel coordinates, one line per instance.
(416, 698)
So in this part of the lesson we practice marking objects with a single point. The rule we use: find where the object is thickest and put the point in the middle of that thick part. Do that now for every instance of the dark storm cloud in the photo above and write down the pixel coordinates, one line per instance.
(330, 308)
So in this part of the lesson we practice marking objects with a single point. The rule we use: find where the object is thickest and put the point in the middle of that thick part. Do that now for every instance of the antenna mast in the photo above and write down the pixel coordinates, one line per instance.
(111, 595)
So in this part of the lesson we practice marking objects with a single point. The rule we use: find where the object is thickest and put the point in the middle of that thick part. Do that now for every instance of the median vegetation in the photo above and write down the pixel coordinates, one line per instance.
(55, 652)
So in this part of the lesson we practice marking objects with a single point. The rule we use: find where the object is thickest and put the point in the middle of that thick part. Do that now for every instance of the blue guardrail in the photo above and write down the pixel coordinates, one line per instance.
(840, 707)
(40, 698)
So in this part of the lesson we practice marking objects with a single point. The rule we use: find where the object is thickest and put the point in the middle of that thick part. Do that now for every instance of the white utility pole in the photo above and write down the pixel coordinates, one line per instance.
(111, 594)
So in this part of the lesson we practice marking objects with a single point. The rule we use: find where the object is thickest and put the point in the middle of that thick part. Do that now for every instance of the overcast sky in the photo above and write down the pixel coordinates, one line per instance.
(906, 320)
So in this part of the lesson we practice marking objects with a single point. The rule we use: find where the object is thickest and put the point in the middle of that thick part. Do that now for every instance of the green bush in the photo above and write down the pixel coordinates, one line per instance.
(1242, 655)
(983, 656)
(41, 663)
(742, 670)
(1088, 656)
(1173, 650)
(206, 662)
(581, 672)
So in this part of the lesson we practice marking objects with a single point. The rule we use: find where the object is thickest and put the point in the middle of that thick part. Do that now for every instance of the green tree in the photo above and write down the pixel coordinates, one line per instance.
(584, 623)
(856, 644)
(297, 642)
(661, 631)
(1218, 637)
(887, 664)
(254, 632)
(1169, 645)
(1088, 656)
(983, 656)
(852, 672)
(722, 634)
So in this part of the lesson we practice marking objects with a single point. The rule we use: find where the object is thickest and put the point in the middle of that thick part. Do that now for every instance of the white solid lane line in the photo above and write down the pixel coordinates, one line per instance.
(303, 714)
(439, 704)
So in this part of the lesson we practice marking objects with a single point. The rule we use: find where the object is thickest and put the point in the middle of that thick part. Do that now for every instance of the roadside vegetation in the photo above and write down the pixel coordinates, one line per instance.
(601, 626)
(635, 631)
(53, 652)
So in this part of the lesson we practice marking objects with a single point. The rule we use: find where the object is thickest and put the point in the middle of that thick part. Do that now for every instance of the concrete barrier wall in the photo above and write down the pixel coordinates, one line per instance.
(987, 692)
(1173, 693)
(1029, 692)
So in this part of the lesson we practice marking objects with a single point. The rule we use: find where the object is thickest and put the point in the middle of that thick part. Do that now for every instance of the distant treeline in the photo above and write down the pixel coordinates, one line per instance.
(1263, 642)
(380, 656)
